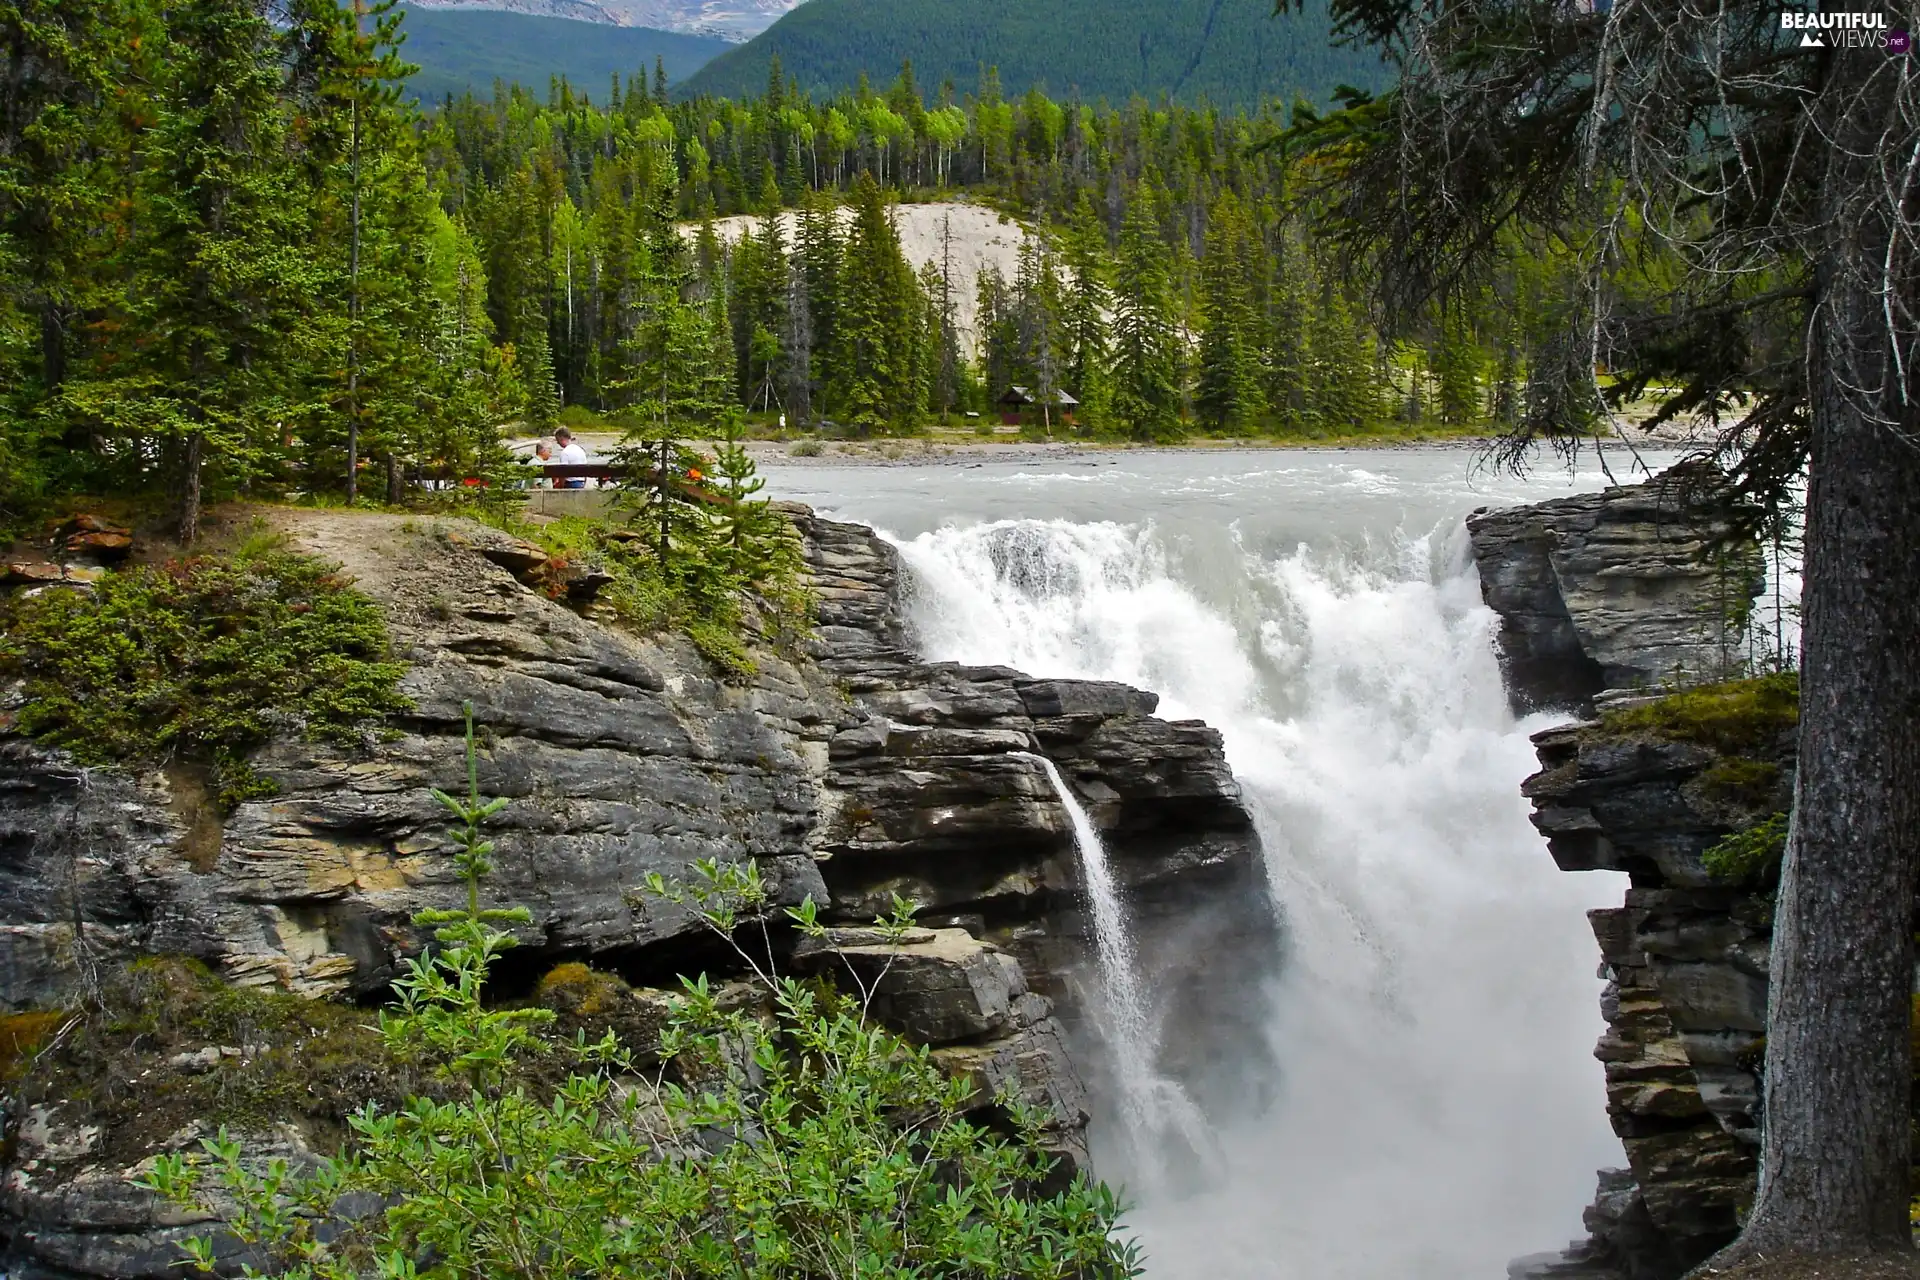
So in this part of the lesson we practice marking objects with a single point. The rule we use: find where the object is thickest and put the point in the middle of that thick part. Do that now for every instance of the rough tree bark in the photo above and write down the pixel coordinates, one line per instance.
(190, 464)
(1835, 1159)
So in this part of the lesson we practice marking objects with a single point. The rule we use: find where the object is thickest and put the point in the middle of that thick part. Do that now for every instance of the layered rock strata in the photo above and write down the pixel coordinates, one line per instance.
(928, 796)
(849, 774)
(1629, 588)
(1610, 597)
(1685, 962)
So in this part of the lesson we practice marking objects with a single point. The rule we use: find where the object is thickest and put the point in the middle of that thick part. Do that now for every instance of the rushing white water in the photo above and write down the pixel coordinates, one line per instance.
(1155, 1113)
(1437, 1110)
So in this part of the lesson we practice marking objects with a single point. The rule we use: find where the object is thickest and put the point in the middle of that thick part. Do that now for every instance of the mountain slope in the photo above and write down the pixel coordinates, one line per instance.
(458, 49)
(1230, 52)
(734, 20)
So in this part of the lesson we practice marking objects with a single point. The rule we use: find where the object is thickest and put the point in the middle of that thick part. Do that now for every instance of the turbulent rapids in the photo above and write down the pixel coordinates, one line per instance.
(1434, 1006)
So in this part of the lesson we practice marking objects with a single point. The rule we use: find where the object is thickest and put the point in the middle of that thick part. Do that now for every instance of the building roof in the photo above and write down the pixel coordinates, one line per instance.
(1020, 395)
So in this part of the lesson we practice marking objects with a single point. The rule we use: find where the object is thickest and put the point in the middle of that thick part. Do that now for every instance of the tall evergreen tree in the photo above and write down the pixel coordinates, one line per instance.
(1088, 301)
(1146, 342)
(1230, 396)
(223, 288)
(358, 134)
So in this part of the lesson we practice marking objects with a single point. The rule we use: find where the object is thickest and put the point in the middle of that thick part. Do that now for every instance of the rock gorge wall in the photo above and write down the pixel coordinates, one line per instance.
(1603, 597)
(851, 774)
(1623, 589)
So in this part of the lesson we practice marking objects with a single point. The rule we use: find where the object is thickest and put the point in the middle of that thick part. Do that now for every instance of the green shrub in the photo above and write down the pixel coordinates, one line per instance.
(204, 659)
(785, 1146)
(727, 557)
(1746, 855)
(1737, 717)
(805, 449)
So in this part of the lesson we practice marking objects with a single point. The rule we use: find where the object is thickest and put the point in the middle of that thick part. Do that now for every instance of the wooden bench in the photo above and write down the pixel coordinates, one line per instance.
(601, 471)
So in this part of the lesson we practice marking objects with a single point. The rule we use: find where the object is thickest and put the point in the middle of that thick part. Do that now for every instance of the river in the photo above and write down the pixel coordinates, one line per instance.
(1437, 1109)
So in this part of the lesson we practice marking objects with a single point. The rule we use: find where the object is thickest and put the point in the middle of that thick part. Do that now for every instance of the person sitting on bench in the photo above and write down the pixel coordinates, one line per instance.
(571, 455)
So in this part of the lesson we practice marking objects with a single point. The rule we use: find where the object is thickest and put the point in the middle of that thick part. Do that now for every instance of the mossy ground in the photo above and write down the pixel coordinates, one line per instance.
(310, 1062)
(108, 1060)
(1750, 724)
(1736, 718)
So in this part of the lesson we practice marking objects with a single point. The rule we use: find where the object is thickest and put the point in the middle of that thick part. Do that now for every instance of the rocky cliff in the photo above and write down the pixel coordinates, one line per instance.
(1605, 597)
(1685, 961)
(849, 774)
(1629, 588)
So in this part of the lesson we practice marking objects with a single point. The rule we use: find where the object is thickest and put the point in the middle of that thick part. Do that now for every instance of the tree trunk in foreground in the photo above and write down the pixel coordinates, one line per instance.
(1835, 1159)
(190, 488)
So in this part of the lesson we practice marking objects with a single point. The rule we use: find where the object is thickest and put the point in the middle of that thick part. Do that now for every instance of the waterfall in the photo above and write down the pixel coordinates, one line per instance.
(1154, 1111)
(1437, 1111)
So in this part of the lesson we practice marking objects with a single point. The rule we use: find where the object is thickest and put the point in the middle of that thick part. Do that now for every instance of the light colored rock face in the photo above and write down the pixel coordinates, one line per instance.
(973, 240)
(1616, 590)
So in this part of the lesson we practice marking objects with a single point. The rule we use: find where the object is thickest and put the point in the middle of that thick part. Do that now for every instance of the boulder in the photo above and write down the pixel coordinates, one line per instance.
(32, 573)
(95, 538)
(936, 986)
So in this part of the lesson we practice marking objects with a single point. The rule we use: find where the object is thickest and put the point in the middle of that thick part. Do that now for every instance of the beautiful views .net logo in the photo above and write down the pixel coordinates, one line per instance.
(1845, 31)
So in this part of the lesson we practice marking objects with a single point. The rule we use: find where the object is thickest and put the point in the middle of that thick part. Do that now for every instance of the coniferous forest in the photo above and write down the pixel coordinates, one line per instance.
(238, 258)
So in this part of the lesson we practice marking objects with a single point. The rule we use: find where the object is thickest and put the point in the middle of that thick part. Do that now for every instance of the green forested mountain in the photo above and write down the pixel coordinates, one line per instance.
(1229, 52)
(461, 49)
(234, 258)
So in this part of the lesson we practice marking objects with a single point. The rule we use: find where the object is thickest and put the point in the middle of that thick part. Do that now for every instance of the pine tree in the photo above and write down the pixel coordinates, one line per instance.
(875, 385)
(217, 337)
(358, 136)
(1039, 325)
(1087, 303)
(682, 375)
(1229, 397)
(1456, 370)
(1147, 355)
(818, 269)
(63, 60)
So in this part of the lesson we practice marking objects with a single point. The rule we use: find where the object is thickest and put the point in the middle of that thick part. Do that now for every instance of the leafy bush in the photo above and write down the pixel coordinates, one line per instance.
(784, 1141)
(1746, 855)
(203, 658)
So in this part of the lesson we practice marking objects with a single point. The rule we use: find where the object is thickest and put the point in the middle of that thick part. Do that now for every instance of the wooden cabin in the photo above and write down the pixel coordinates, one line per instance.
(1020, 406)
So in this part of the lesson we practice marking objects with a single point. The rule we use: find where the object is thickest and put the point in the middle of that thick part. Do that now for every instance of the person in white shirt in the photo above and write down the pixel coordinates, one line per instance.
(571, 455)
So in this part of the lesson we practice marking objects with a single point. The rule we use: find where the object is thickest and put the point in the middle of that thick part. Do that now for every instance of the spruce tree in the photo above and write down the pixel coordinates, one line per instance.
(1146, 343)
(1456, 363)
(875, 385)
(357, 134)
(1088, 300)
(64, 62)
(224, 281)
(1229, 397)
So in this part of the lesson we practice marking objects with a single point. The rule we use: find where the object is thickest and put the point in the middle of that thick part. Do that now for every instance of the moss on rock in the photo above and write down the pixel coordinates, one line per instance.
(1736, 718)
(203, 658)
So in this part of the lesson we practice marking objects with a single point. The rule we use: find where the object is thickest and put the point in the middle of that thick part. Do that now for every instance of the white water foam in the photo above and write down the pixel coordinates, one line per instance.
(1438, 1112)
